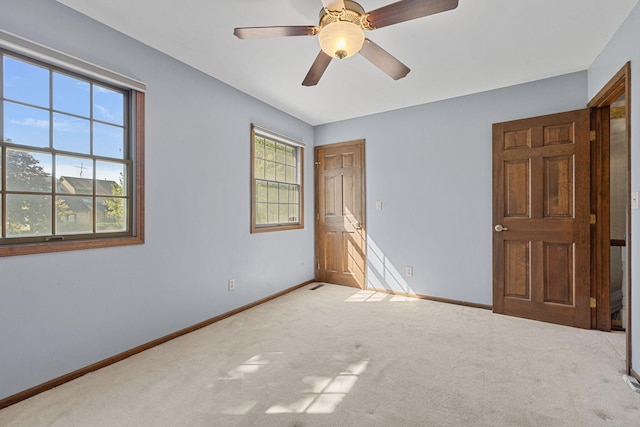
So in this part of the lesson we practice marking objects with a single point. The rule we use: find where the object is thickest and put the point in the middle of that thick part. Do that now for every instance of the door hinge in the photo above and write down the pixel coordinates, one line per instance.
(318, 266)
(592, 135)
(592, 219)
(317, 165)
(317, 215)
(592, 303)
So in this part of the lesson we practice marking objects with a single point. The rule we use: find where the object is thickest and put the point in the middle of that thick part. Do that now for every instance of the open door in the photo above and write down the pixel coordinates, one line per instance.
(340, 214)
(541, 218)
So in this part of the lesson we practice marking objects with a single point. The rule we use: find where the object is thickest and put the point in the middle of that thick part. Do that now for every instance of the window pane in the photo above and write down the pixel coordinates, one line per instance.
(74, 175)
(111, 214)
(71, 134)
(26, 125)
(28, 215)
(261, 192)
(280, 172)
(280, 153)
(26, 82)
(269, 150)
(259, 153)
(289, 155)
(259, 169)
(291, 175)
(108, 105)
(273, 213)
(71, 95)
(108, 141)
(261, 213)
(294, 192)
(74, 215)
(109, 188)
(28, 171)
(273, 193)
(293, 212)
(270, 171)
(283, 196)
(284, 214)
(111, 179)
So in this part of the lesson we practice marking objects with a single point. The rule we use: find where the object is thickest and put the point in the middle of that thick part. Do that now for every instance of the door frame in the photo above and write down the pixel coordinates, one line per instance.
(359, 143)
(619, 84)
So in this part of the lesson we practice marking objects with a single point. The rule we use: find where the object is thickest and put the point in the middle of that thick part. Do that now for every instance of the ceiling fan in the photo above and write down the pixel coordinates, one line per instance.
(341, 32)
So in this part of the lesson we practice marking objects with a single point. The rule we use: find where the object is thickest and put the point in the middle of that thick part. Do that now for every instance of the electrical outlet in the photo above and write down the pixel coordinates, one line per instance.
(232, 284)
(408, 271)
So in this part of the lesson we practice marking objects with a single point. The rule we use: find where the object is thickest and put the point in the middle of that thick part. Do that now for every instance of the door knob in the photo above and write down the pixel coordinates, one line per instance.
(499, 228)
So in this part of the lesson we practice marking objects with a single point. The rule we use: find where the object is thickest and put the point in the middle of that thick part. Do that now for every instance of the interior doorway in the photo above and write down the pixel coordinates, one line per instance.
(611, 206)
(618, 190)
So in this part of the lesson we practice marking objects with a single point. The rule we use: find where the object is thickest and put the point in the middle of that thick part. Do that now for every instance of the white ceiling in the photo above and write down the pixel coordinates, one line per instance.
(481, 45)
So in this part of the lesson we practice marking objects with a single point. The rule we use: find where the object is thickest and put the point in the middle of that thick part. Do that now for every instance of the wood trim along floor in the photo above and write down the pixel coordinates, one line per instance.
(436, 299)
(23, 395)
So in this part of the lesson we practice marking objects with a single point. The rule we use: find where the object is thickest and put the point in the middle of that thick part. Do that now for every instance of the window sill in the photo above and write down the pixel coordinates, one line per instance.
(49, 247)
(276, 228)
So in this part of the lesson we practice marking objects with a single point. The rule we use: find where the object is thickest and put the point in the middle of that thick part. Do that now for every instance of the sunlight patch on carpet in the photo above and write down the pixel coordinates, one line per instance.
(324, 394)
(374, 296)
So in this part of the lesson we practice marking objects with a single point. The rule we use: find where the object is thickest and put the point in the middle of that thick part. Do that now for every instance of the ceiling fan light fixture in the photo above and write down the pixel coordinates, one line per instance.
(341, 39)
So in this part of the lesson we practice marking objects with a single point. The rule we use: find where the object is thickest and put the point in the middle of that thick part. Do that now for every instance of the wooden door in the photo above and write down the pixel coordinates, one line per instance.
(541, 208)
(340, 214)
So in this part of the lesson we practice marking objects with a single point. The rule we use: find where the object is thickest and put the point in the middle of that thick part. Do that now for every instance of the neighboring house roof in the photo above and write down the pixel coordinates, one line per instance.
(75, 185)
(78, 204)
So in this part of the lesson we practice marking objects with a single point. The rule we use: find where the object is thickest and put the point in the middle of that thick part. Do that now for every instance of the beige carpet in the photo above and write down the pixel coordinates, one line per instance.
(336, 356)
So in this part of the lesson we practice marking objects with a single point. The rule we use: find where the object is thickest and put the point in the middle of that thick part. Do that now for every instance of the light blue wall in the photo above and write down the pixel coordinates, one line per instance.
(622, 48)
(430, 166)
(61, 312)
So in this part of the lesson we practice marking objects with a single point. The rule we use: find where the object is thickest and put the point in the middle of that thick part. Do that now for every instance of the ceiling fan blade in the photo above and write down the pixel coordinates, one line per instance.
(333, 5)
(407, 10)
(317, 69)
(266, 32)
(383, 60)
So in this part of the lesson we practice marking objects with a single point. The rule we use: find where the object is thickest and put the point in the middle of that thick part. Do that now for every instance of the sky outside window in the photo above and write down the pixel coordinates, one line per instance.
(29, 113)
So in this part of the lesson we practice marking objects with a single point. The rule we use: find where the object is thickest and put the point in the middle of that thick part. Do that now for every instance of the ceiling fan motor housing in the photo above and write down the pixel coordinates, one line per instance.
(341, 33)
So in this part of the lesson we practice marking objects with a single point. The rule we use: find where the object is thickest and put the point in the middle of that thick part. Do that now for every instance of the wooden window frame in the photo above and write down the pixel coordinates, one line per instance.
(135, 234)
(300, 171)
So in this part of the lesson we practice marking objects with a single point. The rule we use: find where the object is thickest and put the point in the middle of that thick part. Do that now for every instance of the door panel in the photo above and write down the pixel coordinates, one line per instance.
(517, 188)
(559, 188)
(517, 269)
(541, 193)
(340, 216)
(558, 267)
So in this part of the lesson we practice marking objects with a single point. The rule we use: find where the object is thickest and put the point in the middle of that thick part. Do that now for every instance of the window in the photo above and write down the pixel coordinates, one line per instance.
(71, 159)
(276, 182)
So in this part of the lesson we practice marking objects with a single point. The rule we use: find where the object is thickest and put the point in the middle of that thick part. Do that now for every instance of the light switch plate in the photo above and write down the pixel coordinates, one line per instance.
(634, 200)
(378, 205)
